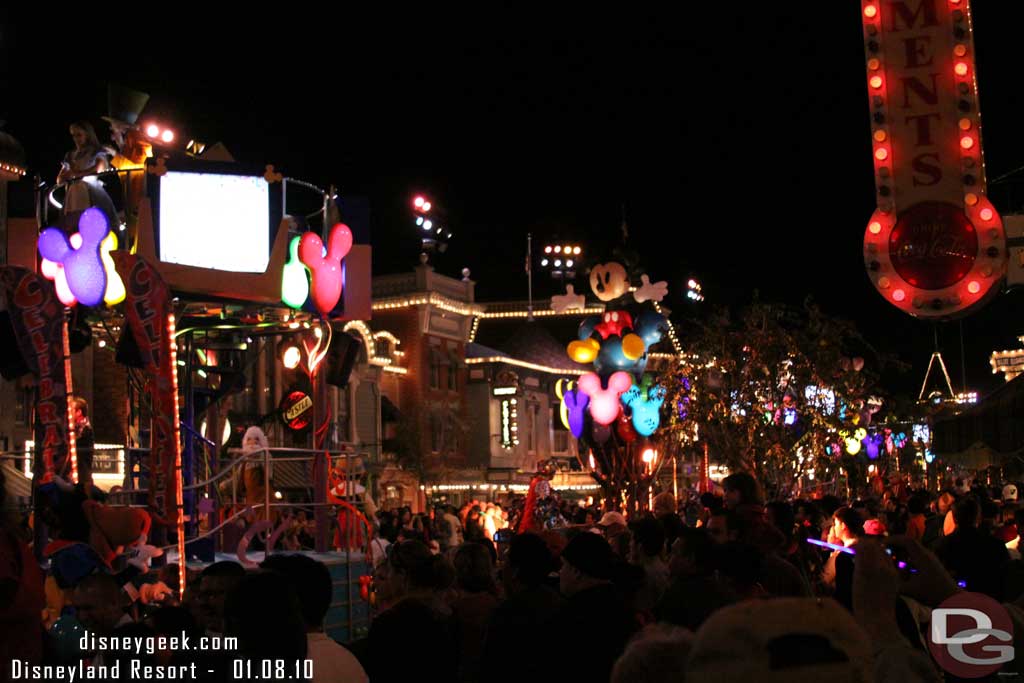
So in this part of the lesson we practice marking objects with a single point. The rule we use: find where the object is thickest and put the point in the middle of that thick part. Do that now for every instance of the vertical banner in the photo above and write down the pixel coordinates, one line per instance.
(935, 246)
(148, 318)
(38, 321)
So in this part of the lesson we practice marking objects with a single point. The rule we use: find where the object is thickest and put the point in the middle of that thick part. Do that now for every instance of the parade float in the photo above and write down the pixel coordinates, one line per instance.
(195, 275)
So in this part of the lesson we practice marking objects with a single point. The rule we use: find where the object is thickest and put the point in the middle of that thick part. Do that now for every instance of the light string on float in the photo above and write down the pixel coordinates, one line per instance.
(68, 389)
(176, 435)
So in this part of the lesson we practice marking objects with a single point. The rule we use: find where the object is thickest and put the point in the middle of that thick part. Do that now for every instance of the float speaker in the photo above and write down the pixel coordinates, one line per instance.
(341, 358)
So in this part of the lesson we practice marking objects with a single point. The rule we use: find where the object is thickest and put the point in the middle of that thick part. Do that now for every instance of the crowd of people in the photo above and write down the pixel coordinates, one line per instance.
(724, 588)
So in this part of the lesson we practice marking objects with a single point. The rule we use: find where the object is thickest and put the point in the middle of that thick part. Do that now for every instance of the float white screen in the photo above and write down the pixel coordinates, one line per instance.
(215, 221)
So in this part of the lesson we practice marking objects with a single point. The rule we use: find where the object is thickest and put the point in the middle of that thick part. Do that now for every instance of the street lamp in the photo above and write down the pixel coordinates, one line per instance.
(694, 292)
(434, 235)
(562, 260)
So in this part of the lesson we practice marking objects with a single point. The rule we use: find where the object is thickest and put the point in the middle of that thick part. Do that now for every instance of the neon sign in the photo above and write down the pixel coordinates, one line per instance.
(935, 247)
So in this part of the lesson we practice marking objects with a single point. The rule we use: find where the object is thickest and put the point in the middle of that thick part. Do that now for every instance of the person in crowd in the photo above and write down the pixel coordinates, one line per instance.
(742, 491)
(936, 527)
(172, 622)
(21, 590)
(695, 592)
(665, 513)
(1007, 530)
(657, 654)
(474, 525)
(215, 582)
(616, 531)
(263, 612)
(85, 444)
(916, 521)
(98, 605)
(972, 556)
(314, 588)
(646, 550)
(1013, 546)
(411, 587)
(847, 529)
(528, 615)
(475, 602)
(718, 526)
(596, 619)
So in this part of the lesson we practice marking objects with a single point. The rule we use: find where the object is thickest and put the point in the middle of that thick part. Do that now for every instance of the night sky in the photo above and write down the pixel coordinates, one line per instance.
(736, 136)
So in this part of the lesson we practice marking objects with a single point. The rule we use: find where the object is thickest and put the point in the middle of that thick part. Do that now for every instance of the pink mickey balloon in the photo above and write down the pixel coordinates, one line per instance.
(325, 270)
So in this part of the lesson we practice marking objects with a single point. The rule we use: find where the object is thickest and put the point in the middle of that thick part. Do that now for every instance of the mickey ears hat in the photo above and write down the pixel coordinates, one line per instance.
(124, 105)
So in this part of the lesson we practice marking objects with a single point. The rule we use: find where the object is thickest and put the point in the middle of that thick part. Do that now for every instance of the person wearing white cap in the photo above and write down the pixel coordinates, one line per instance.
(1010, 493)
(613, 524)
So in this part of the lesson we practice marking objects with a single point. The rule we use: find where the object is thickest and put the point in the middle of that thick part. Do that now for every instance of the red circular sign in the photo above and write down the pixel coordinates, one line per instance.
(971, 635)
(297, 410)
(933, 245)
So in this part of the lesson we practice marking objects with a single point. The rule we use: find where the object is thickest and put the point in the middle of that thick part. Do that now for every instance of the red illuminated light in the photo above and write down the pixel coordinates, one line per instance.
(960, 68)
(973, 286)
(875, 227)
(986, 214)
(870, 11)
(881, 154)
(875, 82)
(967, 142)
(899, 295)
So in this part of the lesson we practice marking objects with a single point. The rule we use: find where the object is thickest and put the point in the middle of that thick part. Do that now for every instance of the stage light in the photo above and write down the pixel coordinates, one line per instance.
(153, 130)
(167, 136)
(292, 357)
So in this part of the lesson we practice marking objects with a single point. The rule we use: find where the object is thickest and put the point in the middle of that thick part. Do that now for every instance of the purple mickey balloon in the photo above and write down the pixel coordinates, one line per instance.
(576, 403)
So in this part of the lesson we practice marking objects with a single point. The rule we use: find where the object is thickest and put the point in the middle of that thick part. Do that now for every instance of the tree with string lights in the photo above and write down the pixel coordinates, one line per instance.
(777, 391)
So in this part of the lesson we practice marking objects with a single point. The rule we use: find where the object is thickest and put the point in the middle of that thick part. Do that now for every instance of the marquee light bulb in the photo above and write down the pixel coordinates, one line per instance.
(547, 249)
(973, 286)
(967, 142)
(576, 250)
(558, 250)
(881, 154)
(960, 69)
(876, 82)
(167, 136)
(899, 295)
(870, 11)
(986, 214)
(875, 227)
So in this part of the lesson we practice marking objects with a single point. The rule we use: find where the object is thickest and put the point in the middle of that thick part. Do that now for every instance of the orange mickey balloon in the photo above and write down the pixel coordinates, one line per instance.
(584, 351)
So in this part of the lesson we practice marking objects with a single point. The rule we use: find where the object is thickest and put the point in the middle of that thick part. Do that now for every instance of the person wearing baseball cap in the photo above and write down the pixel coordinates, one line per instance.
(615, 529)
(596, 623)
(1010, 493)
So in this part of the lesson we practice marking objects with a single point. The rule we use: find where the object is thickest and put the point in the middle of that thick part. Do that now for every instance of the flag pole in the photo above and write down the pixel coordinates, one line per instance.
(529, 276)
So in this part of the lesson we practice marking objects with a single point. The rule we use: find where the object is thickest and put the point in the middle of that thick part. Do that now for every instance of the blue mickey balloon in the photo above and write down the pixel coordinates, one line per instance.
(646, 410)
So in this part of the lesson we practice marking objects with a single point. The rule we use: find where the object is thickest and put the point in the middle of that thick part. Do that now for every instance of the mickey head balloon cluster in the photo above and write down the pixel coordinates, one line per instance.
(616, 343)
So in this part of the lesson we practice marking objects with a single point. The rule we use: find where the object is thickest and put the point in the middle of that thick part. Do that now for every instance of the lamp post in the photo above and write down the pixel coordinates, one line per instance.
(433, 228)
(562, 260)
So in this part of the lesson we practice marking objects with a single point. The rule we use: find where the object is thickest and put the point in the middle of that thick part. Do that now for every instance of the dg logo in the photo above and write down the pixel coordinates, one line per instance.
(971, 635)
